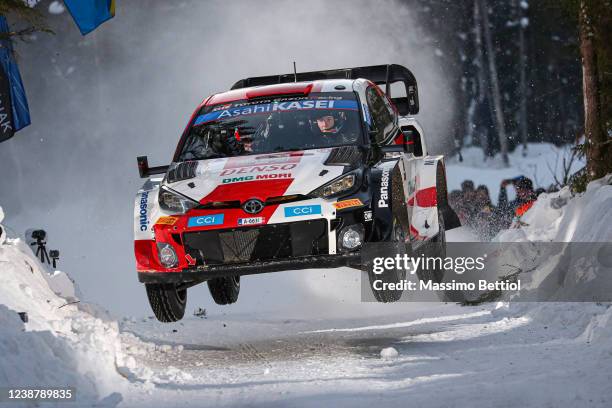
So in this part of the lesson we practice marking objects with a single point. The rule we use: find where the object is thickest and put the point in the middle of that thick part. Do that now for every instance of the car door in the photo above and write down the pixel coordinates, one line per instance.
(385, 122)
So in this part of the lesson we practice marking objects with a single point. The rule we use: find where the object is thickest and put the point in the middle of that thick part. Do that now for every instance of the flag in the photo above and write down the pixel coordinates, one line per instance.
(89, 14)
(14, 111)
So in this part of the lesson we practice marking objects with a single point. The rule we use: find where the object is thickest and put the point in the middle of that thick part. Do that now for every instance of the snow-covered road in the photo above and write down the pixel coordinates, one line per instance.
(449, 355)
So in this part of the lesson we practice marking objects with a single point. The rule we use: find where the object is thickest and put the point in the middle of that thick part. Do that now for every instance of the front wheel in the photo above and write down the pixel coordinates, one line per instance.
(224, 291)
(167, 301)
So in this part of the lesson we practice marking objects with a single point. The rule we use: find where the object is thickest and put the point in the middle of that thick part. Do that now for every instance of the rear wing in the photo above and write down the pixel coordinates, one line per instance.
(386, 75)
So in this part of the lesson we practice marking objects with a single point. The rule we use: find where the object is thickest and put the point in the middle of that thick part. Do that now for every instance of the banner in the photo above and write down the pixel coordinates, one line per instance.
(89, 14)
(14, 111)
(6, 116)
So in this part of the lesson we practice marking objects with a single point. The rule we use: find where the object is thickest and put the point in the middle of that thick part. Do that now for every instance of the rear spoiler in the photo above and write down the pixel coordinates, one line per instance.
(379, 74)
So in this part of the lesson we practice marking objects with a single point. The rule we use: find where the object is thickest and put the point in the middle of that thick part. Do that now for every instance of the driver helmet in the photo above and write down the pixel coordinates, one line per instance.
(329, 122)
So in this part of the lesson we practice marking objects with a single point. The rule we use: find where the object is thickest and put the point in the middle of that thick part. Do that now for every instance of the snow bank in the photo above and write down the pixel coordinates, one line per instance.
(579, 271)
(559, 217)
(64, 342)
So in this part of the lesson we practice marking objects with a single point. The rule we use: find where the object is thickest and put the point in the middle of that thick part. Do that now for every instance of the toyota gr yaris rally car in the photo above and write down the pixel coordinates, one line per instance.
(288, 172)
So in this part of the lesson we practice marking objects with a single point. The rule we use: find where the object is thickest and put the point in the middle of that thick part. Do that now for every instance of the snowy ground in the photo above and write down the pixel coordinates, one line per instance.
(503, 355)
(448, 356)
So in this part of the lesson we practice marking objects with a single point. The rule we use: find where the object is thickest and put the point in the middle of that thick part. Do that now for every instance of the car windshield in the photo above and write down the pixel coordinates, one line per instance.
(245, 127)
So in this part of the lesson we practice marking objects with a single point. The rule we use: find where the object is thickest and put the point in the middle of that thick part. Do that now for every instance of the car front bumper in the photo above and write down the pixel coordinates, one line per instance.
(203, 273)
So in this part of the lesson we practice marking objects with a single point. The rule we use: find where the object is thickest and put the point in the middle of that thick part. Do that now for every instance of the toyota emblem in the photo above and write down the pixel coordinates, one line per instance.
(253, 206)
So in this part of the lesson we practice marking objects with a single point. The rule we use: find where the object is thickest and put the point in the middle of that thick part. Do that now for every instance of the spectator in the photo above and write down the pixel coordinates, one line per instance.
(525, 197)
(483, 198)
(469, 198)
(467, 187)
(485, 221)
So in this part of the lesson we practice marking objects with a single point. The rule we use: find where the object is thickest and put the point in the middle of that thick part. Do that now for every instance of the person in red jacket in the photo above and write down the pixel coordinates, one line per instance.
(525, 197)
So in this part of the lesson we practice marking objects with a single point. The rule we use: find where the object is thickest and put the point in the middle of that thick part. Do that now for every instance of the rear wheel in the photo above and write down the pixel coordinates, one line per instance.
(395, 275)
(167, 301)
(224, 291)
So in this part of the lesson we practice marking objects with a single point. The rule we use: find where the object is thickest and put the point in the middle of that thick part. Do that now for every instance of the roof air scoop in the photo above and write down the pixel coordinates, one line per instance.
(292, 89)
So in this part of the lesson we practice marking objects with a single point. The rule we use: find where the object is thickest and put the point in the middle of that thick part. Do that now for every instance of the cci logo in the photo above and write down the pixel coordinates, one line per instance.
(302, 210)
(205, 220)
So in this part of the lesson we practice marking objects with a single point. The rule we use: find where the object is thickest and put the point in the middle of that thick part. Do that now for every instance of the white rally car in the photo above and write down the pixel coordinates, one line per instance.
(288, 172)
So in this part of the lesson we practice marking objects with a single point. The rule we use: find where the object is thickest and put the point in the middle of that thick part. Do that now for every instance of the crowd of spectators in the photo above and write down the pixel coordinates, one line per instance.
(475, 209)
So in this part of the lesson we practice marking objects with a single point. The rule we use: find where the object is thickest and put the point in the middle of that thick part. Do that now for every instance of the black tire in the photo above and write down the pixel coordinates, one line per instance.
(451, 220)
(224, 291)
(168, 303)
(394, 275)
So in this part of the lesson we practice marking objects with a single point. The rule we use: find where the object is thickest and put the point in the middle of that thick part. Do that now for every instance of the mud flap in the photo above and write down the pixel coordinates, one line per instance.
(451, 219)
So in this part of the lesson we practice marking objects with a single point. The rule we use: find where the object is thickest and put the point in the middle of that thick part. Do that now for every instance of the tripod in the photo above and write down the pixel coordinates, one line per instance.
(41, 250)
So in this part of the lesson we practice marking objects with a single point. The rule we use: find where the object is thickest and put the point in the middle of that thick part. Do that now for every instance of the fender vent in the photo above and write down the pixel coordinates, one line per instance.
(349, 156)
(181, 171)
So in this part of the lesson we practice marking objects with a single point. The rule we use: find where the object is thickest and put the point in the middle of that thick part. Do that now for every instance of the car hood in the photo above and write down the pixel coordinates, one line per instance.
(261, 176)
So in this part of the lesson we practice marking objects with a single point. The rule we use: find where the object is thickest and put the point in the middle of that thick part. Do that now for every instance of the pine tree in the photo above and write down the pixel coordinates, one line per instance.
(594, 19)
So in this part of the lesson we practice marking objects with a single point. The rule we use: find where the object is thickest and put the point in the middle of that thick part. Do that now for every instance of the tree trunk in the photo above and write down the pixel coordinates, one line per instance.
(522, 80)
(499, 114)
(483, 89)
(595, 142)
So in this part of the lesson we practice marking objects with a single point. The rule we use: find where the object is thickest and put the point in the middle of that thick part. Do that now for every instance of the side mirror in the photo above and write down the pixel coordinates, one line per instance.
(145, 171)
(402, 104)
(412, 140)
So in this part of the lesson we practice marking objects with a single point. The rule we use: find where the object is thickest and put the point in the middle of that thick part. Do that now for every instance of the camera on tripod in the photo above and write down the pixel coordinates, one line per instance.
(38, 237)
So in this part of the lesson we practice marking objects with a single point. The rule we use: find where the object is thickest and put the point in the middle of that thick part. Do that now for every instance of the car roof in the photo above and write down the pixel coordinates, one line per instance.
(286, 89)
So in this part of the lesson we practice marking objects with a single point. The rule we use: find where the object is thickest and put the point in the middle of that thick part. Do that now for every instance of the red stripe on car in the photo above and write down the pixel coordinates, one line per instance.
(427, 197)
(242, 191)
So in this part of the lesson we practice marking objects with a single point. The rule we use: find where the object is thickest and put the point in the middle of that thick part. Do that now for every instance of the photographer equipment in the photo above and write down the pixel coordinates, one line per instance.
(41, 251)
(54, 254)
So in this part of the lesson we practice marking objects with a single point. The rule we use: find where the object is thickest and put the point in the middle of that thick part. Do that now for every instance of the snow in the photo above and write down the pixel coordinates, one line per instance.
(434, 355)
(59, 344)
(56, 7)
(556, 217)
(524, 22)
(389, 353)
(574, 272)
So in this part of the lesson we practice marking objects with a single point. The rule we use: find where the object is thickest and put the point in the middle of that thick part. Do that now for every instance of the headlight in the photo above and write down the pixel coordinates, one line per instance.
(174, 202)
(335, 187)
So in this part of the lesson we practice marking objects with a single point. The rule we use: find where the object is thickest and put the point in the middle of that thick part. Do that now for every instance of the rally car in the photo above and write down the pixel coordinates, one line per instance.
(288, 172)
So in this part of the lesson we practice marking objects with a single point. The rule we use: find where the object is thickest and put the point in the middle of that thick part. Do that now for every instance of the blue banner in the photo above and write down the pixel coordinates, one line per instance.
(14, 111)
(308, 104)
(89, 14)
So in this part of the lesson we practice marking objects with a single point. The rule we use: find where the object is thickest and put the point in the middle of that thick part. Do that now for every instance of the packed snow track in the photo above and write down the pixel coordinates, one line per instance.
(446, 354)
